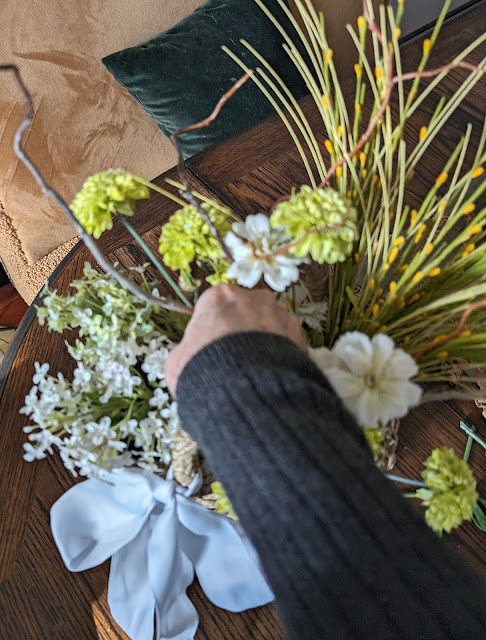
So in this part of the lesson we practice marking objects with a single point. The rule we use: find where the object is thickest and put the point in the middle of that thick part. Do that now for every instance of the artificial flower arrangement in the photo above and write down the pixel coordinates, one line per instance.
(390, 298)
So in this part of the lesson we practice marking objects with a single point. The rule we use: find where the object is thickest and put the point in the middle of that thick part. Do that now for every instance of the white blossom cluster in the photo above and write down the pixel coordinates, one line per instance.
(116, 411)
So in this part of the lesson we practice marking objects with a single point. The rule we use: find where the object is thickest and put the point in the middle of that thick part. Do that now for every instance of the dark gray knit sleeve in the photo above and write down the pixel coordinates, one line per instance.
(345, 554)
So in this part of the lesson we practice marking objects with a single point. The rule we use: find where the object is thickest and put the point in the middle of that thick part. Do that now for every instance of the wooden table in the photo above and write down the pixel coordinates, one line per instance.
(39, 598)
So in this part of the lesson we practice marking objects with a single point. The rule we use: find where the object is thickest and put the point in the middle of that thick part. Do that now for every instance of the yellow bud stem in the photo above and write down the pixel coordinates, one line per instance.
(441, 178)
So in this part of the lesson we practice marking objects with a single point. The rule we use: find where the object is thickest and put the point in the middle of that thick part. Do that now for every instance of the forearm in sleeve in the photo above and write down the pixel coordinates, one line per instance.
(344, 553)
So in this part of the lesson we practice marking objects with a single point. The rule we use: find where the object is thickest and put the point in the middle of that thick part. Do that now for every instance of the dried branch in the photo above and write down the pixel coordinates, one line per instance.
(453, 334)
(435, 72)
(186, 193)
(90, 243)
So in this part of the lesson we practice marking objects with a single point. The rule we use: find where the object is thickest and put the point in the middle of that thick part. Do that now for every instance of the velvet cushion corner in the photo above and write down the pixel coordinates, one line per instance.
(179, 75)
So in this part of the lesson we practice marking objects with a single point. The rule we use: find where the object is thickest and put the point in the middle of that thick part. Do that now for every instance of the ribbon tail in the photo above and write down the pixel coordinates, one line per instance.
(226, 568)
(130, 597)
(171, 572)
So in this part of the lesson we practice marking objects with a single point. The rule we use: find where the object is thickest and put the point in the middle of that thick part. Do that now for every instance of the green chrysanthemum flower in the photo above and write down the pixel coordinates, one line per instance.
(113, 191)
(186, 237)
(451, 493)
(223, 505)
(312, 209)
(375, 437)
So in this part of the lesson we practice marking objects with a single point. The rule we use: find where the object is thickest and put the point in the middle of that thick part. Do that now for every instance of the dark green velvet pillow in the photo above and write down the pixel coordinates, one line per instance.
(179, 75)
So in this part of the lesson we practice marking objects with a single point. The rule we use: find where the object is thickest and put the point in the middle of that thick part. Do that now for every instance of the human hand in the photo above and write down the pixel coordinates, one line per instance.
(227, 309)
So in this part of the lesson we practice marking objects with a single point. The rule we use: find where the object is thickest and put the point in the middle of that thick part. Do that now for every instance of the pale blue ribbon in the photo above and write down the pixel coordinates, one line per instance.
(157, 538)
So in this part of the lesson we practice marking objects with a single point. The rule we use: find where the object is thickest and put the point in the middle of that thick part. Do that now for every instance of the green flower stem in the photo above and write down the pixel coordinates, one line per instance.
(162, 192)
(154, 261)
(472, 435)
(293, 109)
(467, 450)
(409, 495)
(234, 216)
(415, 483)
(277, 108)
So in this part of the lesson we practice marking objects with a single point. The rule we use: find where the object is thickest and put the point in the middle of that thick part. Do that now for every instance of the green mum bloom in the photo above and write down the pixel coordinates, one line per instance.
(186, 236)
(223, 505)
(106, 193)
(313, 208)
(451, 493)
(375, 437)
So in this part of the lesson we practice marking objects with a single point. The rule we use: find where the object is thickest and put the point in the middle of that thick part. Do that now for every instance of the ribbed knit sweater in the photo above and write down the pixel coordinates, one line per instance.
(344, 553)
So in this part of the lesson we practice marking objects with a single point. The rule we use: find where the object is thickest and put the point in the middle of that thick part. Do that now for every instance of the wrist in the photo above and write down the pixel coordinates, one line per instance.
(233, 355)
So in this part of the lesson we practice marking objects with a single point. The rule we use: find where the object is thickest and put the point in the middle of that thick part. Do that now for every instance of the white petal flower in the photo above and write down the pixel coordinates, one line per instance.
(155, 353)
(254, 246)
(372, 377)
(40, 372)
(33, 453)
(159, 400)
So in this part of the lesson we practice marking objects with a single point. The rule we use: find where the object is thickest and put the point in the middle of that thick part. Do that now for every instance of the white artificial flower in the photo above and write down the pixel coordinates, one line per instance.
(253, 246)
(155, 352)
(160, 400)
(82, 379)
(33, 453)
(117, 410)
(31, 402)
(372, 377)
(101, 431)
(149, 428)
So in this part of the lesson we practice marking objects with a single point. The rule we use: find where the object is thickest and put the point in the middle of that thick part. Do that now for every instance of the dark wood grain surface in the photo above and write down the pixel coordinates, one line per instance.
(39, 598)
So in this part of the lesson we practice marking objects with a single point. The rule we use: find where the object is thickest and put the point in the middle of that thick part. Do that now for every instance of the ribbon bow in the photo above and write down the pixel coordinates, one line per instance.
(157, 538)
